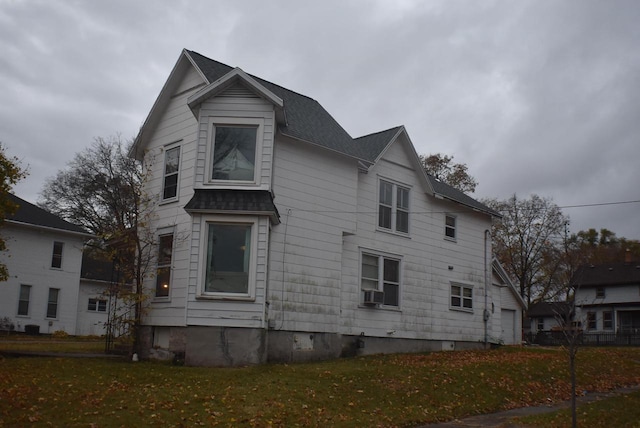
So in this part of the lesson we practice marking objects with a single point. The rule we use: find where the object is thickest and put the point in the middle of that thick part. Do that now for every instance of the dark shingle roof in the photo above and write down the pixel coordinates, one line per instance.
(30, 214)
(452, 193)
(307, 120)
(607, 274)
(250, 201)
(548, 309)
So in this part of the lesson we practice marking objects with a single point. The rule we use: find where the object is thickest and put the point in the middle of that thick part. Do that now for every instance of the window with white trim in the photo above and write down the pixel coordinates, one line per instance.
(23, 300)
(52, 303)
(450, 226)
(234, 153)
(56, 256)
(393, 207)
(600, 293)
(163, 272)
(607, 320)
(229, 258)
(381, 273)
(461, 296)
(171, 172)
(97, 305)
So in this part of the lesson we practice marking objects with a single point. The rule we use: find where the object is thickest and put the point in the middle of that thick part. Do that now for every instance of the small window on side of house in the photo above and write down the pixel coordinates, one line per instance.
(450, 227)
(56, 257)
(600, 294)
(52, 303)
(393, 207)
(462, 297)
(23, 300)
(163, 273)
(171, 173)
(97, 305)
(540, 325)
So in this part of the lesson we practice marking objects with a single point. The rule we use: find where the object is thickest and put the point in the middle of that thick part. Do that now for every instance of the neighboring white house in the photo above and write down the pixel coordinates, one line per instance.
(282, 238)
(43, 256)
(608, 297)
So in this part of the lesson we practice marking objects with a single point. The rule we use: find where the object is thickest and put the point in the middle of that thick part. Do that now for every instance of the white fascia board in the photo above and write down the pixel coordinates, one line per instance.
(498, 269)
(227, 80)
(84, 235)
(163, 97)
(414, 158)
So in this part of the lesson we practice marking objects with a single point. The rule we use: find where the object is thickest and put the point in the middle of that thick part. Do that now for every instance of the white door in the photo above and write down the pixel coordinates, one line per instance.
(509, 326)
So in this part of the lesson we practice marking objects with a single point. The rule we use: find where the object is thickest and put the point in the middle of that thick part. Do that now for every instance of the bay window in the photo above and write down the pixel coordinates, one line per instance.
(234, 153)
(229, 259)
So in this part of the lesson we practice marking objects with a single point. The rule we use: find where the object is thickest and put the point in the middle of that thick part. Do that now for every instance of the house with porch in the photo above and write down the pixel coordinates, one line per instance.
(608, 297)
(280, 237)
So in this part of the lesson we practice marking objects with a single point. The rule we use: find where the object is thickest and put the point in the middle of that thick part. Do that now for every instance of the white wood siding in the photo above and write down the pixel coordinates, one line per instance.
(424, 310)
(316, 196)
(177, 125)
(28, 259)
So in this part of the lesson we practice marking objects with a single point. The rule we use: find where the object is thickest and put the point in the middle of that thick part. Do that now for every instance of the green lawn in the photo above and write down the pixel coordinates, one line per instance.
(385, 390)
(71, 344)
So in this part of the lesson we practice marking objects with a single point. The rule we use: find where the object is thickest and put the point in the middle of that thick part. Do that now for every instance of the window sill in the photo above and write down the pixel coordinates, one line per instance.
(168, 201)
(393, 232)
(448, 238)
(380, 307)
(161, 299)
(467, 310)
(221, 297)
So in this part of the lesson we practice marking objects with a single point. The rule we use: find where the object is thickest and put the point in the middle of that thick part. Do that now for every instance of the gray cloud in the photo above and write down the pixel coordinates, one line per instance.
(535, 97)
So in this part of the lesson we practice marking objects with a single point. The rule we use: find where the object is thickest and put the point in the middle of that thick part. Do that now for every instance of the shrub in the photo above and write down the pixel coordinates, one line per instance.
(60, 334)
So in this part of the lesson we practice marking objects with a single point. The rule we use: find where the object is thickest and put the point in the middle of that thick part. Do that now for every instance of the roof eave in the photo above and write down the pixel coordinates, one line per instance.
(137, 149)
(51, 229)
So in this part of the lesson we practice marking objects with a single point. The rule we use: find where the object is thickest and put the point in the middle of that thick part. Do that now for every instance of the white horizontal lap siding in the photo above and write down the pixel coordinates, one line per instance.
(425, 290)
(28, 259)
(177, 125)
(316, 196)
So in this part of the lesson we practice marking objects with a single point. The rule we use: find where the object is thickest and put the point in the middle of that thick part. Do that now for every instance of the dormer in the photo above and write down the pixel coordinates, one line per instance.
(237, 119)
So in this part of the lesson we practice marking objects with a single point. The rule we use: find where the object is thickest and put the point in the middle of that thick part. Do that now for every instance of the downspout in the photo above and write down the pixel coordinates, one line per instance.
(486, 314)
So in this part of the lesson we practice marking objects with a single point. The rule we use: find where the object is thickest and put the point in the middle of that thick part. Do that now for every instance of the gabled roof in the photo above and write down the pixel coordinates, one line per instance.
(302, 118)
(607, 275)
(31, 215)
(498, 269)
(549, 309)
(449, 192)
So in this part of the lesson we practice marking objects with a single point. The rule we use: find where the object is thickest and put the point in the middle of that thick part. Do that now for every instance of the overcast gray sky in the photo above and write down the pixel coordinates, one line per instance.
(534, 96)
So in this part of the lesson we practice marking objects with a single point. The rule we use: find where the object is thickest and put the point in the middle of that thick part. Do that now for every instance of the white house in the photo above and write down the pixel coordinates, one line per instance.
(43, 256)
(282, 238)
(608, 297)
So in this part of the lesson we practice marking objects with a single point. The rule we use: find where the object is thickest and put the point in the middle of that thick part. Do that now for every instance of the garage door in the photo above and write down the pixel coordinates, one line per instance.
(509, 326)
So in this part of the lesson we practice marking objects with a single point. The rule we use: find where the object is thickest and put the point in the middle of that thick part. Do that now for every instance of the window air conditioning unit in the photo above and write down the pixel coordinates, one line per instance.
(373, 297)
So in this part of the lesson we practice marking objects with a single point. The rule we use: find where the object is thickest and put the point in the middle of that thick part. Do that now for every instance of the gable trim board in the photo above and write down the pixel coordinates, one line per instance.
(314, 204)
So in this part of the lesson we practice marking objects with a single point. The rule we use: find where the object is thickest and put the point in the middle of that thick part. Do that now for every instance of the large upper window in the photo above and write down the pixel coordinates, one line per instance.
(52, 303)
(56, 257)
(163, 273)
(393, 207)
(171, 170)
(234, 153)
(381, 273)
(228, 262)
(461, 296)
(23, 300)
